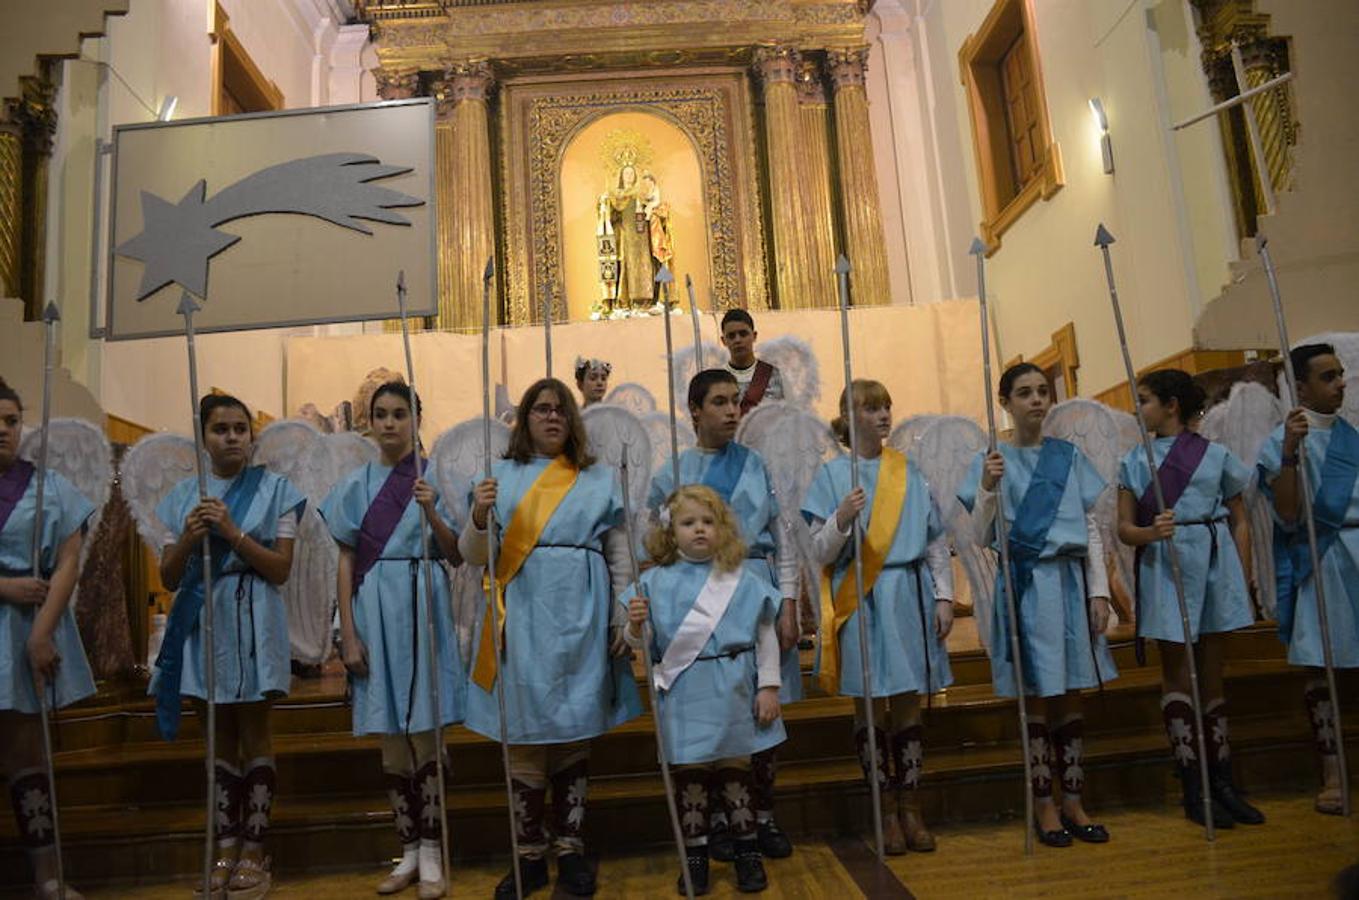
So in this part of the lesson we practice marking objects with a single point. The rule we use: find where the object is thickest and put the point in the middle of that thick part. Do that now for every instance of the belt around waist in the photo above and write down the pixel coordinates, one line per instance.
(730, 654)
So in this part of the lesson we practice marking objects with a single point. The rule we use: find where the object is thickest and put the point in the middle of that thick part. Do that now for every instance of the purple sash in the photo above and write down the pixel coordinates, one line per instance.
(13, 486)
(382, 517)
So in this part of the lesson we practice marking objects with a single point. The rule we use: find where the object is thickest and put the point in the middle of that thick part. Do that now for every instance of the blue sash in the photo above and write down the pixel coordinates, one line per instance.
(723, 475)
(1292, 557)
(1036, 513)
(189, 603)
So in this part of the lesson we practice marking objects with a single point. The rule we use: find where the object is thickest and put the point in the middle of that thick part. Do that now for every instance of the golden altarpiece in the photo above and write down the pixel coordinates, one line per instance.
(583, 142)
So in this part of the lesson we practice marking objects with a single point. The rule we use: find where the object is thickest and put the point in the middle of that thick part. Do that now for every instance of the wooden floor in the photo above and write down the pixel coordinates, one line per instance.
(1154, 853)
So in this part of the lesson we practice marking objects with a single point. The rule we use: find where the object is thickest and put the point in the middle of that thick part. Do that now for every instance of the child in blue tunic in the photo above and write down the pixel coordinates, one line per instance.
(1061, 593)
(716, 658)
(374, 515)
(40, 649)
(251, 515)
(1206, 518)
(1332, 459)
(740, 477)
(561, 558)
(908, 589)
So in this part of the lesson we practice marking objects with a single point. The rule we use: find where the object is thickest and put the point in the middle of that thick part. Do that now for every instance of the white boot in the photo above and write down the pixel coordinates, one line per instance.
(404, 873)
(431, 870)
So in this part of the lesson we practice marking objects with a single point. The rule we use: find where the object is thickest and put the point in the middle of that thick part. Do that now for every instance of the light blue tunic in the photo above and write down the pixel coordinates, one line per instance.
(709, 712)
(250, 622)
(561, 682)
(1214, 581)
(901, 604)
(1054, 620)
(752, 500)
(1340, 566)
(65, 512)
(391, 616)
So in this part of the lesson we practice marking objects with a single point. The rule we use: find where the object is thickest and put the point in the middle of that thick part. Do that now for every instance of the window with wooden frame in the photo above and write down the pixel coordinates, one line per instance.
(238, 84)
(1059, 361)
(1018, 161)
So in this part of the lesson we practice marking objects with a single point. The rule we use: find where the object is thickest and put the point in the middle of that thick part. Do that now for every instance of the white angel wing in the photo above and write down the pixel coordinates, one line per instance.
(153, 466)
(459, 457)
(657, 427)
(1350, 410)
(1241, 425)
(794, 443)
(633, 397)
(909, 430)
(944, 450)
(798, 367)
(613, 431)
(80, 452)
(686, 364)
(289, 448)
(344, 452)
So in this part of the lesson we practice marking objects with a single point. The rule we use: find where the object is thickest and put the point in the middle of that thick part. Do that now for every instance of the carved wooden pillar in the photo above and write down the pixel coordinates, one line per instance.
(11, 198)
(466, 209)
(777, 71)
(863, 235)
(818, 206)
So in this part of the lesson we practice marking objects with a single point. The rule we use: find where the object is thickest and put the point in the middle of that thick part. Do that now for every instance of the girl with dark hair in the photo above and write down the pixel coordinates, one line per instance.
(39, 642)
(251, 516)
(562, 556)
(1061, 593)
(374, 515)
(908, 586)
(1206, 518)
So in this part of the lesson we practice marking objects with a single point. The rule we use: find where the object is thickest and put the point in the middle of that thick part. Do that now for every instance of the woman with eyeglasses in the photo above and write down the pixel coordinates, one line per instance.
(561, 558)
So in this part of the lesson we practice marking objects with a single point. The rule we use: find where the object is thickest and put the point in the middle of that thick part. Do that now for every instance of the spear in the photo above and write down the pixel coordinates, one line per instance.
(978, 249)
(493, 619)
(431, 631)
(50, 317)
(698, 332)
(187, 307)
(547, 327)
(651, 682)
(842, 270)
(1102, 240)
(1309, 516)
(664, 278)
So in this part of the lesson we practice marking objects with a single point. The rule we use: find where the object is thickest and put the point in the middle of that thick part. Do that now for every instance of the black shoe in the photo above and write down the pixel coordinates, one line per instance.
(574, 875)
(774, 844)
(698, 871)
(1224, 794)
(750, 877)
(1090, 834)
(532, 872)
(1059, 838)
(721, 847)
(1192, 785)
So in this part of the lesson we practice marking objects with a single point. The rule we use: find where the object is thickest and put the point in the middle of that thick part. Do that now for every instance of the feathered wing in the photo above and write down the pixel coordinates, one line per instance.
(794, 443)
(613, 431)
(686, 362)
(657, 427)
(1097, 431)
(80, 452)
(153, 466)
(798, 367)
(288, 448)
(633, 397)
(909, 430)
(1350, 410)
(1242, 424)
(944, 450)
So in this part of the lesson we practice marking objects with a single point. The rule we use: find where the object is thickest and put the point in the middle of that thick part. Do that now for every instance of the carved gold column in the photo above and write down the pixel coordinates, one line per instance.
(816, 182)
(398, 84)
(777, 70)
(11, 198)
(466, 210)
(864, 242)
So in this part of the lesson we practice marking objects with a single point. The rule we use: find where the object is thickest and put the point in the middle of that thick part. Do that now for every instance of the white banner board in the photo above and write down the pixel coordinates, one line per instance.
(273, 219)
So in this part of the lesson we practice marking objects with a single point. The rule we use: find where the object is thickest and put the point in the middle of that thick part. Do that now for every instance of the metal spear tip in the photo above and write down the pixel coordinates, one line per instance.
(978, 248)
(688, 281)
(490, 269)
(1102, 236)
(664, 276)
(401, 280)
(842, 265)
(187, 306)
(51, 313)
(1261, 242)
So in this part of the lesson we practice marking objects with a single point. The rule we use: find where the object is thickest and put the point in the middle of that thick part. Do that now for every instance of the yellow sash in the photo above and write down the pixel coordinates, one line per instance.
(889, 504)
(530, 517)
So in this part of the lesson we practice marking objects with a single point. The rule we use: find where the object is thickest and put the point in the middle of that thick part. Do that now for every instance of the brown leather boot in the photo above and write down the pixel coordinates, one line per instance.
(918, 837)
(893, 838)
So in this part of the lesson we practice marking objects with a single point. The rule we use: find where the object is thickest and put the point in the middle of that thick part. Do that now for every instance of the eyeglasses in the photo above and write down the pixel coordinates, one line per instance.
(547, 411)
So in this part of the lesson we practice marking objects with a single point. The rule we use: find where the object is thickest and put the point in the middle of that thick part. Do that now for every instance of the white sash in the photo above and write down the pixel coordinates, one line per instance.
(693, 633)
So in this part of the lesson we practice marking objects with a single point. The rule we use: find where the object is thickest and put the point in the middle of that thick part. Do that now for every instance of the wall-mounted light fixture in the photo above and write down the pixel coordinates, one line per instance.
(1106, 146)
(167, 108)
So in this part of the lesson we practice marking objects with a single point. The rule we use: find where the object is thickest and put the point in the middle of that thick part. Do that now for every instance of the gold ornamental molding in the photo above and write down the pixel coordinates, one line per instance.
(539, 121)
